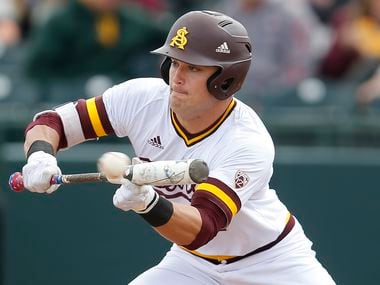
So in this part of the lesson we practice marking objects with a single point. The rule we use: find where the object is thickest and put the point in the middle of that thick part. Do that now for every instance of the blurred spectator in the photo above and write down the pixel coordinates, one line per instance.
(356, 45)
(281, 52)
(180, 7)
(90, 37)
(35, 12)
(324, 9)
(158, 11)
(9, 27)
(317, 32)
(369, 91)
(152, 5)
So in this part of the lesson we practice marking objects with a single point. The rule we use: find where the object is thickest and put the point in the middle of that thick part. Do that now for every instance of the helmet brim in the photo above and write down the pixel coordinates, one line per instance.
(178, 55)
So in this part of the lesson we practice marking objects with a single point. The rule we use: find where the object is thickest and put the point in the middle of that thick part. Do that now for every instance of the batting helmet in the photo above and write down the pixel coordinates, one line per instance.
(208, 38)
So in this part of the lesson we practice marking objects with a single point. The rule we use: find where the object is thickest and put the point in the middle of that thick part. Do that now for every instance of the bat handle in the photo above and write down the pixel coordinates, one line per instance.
(16, 181)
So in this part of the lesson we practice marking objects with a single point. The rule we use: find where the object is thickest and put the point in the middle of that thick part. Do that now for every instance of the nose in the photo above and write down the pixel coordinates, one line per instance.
(178, 75)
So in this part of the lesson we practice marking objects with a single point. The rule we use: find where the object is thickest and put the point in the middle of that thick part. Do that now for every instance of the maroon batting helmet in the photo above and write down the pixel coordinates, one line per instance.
(208, 38)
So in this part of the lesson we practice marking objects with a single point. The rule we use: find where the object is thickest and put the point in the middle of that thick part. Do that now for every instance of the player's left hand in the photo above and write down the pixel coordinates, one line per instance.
(140, 199)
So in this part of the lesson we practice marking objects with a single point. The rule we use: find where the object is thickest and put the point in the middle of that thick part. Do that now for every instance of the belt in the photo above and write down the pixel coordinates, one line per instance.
(289, 226)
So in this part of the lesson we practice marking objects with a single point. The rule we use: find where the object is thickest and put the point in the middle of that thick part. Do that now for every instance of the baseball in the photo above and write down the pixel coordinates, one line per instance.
(113, 164)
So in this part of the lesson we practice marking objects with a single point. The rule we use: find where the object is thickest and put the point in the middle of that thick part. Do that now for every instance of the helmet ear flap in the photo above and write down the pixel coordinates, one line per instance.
(220, 86)
(165, 66)
(217, 86)
(227, 81)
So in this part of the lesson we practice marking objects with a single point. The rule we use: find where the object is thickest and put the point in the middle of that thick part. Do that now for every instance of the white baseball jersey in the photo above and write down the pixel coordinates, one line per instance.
(237, 148)
(239, 152)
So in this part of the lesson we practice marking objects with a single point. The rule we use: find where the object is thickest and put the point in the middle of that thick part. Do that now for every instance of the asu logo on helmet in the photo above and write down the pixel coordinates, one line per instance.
(180, 40)
(224, 44)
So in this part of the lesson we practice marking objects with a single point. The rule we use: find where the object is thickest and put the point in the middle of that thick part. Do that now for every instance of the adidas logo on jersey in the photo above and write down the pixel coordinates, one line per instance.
(156, 141)
(223, 48)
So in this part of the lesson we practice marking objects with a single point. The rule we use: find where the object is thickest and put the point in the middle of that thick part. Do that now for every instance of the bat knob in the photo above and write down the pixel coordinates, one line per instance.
(16, 183)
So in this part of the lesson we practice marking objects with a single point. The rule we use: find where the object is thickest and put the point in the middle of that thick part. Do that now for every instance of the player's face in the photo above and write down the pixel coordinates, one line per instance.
(189, 96)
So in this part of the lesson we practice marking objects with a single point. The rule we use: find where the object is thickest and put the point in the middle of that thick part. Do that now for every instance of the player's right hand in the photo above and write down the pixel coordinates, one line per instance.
(140, 199)
(38, 171)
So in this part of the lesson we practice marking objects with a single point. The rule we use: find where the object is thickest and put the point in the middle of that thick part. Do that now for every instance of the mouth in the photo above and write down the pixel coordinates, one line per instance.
(178, 92)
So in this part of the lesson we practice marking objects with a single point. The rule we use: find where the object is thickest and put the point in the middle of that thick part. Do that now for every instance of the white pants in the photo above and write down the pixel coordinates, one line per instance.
(290, 262)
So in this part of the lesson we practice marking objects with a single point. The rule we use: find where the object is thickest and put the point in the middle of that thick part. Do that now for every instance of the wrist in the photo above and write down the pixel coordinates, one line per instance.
(40, 145)
(41, 156)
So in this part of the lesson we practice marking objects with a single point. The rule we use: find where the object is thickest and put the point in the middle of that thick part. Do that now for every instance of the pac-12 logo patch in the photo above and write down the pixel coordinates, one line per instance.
(241, 179)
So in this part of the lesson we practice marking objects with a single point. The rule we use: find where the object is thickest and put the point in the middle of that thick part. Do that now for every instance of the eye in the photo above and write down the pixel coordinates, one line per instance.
(174, 63)
(193, 68)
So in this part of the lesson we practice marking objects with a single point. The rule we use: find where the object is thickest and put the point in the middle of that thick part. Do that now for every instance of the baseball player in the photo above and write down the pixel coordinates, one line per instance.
(231, 229)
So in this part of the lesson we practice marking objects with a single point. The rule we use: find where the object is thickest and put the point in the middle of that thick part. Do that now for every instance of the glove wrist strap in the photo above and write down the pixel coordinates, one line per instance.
(40, 145)
(160, 213)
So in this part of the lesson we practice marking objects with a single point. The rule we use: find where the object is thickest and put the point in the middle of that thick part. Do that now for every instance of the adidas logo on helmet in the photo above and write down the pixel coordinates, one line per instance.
(223, 48)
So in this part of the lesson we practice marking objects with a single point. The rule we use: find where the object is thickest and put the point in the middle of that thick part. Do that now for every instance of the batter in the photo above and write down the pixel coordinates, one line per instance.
(231, 229)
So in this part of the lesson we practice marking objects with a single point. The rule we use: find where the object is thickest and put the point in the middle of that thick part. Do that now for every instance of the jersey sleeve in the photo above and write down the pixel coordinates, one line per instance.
(114, 112)
(248, 170)
(76, 122)
(236, 176)
(124, 102)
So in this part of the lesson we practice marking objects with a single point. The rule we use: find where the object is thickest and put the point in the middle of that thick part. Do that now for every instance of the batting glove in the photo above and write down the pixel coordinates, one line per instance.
(140, 199)
(38, 171)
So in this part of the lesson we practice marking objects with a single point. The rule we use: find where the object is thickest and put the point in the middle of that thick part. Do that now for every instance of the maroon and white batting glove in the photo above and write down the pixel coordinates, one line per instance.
(38, 171)
(140, 199)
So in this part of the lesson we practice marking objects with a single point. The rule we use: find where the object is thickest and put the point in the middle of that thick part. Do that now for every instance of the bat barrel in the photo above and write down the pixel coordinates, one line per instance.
(198, 171)
(169, 172)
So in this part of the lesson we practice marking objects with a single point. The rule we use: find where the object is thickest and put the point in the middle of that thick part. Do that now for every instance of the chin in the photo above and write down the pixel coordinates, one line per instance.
(176, 108)
(175, 101)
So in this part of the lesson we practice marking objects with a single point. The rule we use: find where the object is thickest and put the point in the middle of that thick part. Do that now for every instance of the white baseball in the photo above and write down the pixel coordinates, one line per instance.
(113, 164)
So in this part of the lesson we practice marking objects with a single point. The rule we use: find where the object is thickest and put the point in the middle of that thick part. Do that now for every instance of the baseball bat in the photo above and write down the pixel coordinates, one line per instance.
(157, 173)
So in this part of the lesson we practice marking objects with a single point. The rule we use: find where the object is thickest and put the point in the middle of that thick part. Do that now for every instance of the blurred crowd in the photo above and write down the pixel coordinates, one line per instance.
(305, 52)
(300, 47)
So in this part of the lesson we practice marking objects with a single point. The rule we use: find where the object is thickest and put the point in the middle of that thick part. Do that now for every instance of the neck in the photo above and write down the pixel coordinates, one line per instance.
(201, 122)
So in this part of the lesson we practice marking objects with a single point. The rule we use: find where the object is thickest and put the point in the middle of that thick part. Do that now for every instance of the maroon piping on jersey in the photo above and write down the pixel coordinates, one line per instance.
(103, 115)
(53, 121)
(88, 130)
(289, 226)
